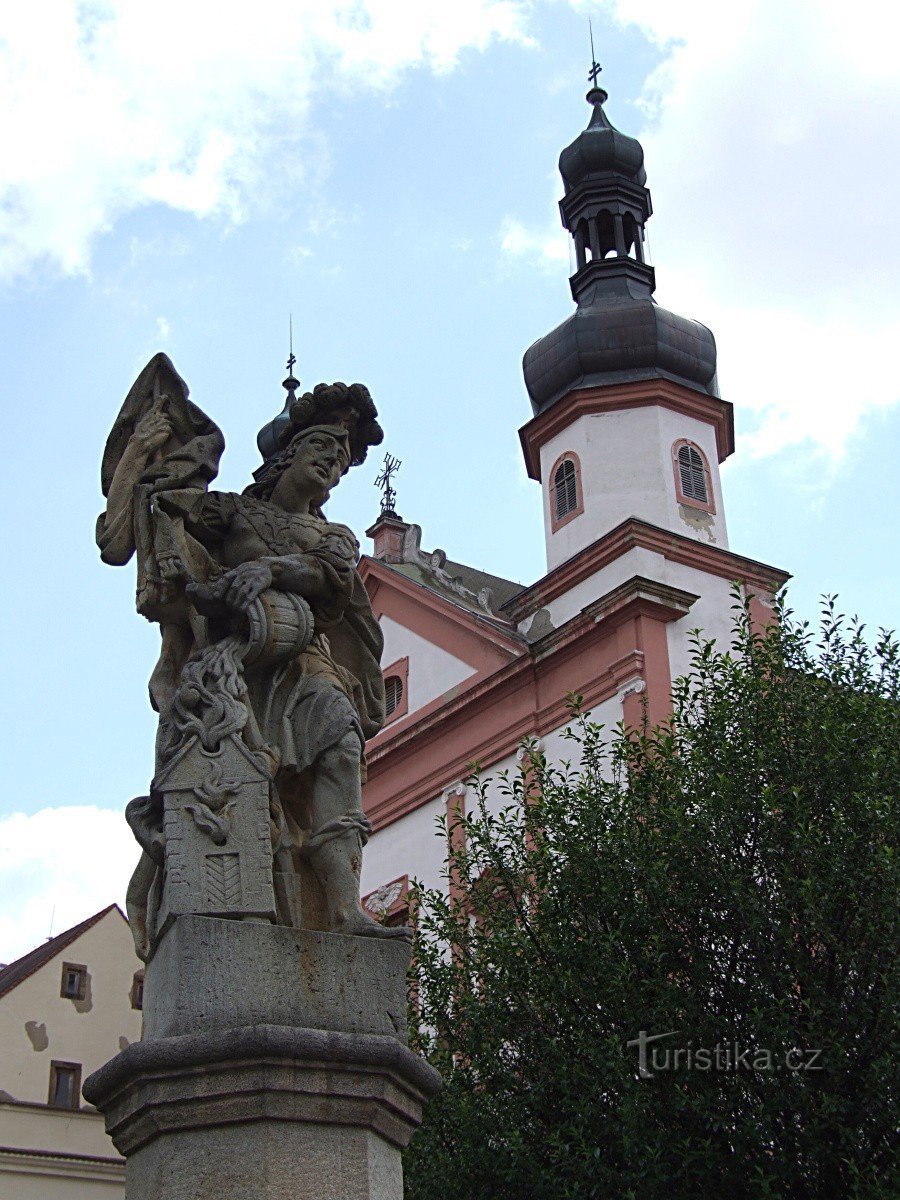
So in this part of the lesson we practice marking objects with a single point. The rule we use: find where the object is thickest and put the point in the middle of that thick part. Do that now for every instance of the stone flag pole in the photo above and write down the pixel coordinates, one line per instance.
(274, 1060)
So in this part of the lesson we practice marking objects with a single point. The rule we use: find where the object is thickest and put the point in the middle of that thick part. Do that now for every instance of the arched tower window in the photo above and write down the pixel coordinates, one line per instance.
(606, 234)
(393, 694)
(565, 490)
(693, 482)
(396, 690)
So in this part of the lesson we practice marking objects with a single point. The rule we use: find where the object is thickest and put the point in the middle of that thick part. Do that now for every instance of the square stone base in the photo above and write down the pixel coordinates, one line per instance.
(209, 974)
(273, 1066)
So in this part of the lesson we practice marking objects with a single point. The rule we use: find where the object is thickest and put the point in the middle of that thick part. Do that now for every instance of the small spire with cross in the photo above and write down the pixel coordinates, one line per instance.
(385, 482)
(594, 72)
(292, 357)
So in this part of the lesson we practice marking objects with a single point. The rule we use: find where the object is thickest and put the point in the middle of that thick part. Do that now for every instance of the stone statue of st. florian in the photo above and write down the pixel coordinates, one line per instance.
(268, 681)
(273, 1062)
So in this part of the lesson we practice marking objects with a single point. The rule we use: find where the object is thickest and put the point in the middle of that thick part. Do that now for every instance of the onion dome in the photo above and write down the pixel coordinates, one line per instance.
(617, 337)
(271, 438)
(601, 149)
(618, 332)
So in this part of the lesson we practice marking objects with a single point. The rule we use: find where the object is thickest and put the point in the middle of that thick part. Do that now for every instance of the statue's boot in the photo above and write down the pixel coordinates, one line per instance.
(336, 863)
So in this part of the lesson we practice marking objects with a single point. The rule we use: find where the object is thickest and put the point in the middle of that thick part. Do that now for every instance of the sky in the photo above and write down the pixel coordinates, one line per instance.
(182, 177)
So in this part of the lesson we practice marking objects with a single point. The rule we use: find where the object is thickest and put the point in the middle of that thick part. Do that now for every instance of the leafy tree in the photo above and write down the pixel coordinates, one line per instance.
(729, 880)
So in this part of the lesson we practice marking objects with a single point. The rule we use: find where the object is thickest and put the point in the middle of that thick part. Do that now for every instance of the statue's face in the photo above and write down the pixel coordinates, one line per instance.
(318, 464)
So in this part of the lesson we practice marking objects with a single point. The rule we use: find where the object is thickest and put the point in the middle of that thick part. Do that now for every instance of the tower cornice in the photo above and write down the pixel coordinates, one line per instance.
(612, 192)
(638, 394)
(638, 278)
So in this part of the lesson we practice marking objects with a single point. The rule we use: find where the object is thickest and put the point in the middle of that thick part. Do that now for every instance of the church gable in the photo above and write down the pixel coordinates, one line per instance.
(433, 646)
(425, 670)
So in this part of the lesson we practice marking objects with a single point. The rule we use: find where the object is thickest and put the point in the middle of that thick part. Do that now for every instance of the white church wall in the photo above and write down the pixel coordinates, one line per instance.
(637, 561)
(432, 670)
(627, 471)
(560, 750)
(496, 795)
(412, 846)
(619, 454)
(711, 613)
(557, 748)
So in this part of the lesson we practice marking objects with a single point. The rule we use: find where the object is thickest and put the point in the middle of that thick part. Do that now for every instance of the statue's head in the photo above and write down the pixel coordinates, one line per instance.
(335, 423)
(348, 405)
(317, 457)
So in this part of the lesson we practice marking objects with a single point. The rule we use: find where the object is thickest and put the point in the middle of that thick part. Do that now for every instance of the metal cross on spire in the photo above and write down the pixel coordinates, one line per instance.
(595, 70)
(389, 470)
(292, 358)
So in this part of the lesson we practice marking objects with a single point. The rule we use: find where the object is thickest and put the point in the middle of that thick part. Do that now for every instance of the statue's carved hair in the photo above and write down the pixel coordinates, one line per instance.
(340, 404)
(346, 411)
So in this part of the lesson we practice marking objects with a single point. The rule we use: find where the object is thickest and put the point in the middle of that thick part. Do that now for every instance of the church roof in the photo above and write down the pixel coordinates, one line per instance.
(479, 592)
(618, 333)
(498, 591)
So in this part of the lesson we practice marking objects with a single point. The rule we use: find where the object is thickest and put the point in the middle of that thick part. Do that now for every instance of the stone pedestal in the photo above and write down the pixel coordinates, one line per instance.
(274, 1066)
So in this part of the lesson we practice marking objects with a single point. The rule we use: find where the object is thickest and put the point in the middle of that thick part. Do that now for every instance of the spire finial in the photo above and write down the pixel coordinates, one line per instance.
(596, 95)
(291, 384)
(292, 358)
(384, 481)
(595, 70)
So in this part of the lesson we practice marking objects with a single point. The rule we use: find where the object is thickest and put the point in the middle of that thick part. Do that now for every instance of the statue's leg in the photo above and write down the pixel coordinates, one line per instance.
(137, 904)
(335, 848)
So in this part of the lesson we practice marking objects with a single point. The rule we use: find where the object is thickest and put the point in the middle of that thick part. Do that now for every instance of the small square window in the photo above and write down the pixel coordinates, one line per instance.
(65, 1085)
(137, 990)
(74, 981)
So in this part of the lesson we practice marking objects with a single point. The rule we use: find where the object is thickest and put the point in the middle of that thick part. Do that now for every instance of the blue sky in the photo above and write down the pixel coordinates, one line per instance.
(178, 177)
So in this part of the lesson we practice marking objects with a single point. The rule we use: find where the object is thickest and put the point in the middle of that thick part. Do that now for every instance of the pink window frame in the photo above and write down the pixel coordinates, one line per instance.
(401, 669)
(707, 506)
(558, 522)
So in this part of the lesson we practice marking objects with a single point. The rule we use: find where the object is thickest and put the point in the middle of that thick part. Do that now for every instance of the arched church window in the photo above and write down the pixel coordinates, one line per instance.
(565, 487)
(565, 490)
(396, 690)
(393, 694)
(606, 234)
(693, 484)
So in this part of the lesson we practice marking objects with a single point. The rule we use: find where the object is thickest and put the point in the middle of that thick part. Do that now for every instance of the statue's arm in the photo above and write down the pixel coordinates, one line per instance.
(323, 576)
(307, 575)
(116, 526)
(152, 431)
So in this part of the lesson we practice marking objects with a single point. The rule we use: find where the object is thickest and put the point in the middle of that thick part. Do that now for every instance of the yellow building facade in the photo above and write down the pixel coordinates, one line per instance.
(66, 1008)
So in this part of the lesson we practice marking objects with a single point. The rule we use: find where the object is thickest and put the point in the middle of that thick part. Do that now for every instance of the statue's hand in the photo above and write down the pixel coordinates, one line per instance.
(154, 428)
(241, 586)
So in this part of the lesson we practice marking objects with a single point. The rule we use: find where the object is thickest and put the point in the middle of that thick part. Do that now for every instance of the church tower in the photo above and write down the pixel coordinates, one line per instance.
(626, 439)
(628, 422)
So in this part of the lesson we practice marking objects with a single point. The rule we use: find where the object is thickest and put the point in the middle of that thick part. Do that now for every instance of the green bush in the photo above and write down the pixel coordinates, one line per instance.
(730, 880)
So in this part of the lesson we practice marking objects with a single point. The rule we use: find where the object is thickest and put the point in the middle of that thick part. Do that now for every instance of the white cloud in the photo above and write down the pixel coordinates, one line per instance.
(163, 329)
(116, 104)
(770, 150)
(548, 247)
(59, 866)
(808, 381)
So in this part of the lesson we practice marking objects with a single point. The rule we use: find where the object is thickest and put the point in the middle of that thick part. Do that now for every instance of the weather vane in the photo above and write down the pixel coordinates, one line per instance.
(595, 70)
(389, 470)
